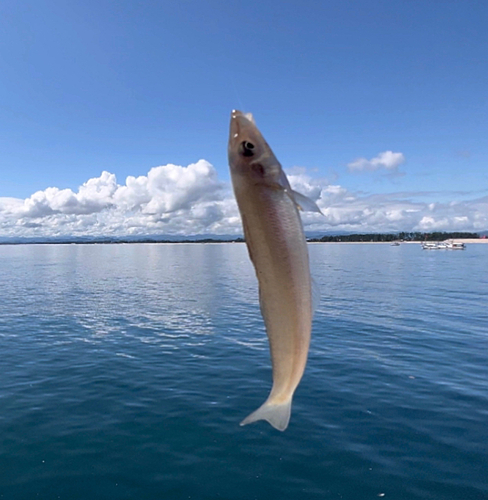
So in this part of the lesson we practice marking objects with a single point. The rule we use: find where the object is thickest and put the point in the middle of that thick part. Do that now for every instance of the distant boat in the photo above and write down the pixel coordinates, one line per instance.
(443, 245)
(395, 244)
(432, 245)
(454, 245)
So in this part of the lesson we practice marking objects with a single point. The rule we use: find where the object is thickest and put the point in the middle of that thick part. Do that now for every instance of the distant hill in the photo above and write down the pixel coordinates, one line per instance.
(211, 238)
(63, 240)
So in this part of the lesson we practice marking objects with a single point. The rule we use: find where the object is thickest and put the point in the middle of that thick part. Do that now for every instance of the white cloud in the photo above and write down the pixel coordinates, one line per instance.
(170, 199)
(176, 200)
(387, 160)
(93, 196)
(169, 188)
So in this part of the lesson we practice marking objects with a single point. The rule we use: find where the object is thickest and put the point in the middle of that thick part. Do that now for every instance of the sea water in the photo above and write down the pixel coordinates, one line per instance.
(126, 369)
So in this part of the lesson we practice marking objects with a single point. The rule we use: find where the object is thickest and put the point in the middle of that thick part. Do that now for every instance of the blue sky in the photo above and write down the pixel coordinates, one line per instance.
(125, 86)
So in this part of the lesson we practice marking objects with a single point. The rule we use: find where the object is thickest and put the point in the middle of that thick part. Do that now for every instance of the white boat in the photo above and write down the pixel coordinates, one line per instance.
(454, 245)
(443, 245)
(432, 245)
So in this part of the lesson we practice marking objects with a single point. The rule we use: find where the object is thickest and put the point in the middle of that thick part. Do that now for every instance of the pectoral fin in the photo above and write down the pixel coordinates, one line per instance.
(304, 203)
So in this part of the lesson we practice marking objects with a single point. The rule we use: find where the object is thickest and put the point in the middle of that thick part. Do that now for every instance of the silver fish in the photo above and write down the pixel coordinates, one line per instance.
(278, 250)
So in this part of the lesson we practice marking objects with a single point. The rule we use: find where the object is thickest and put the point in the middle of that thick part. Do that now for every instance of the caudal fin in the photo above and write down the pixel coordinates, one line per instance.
(278, 415)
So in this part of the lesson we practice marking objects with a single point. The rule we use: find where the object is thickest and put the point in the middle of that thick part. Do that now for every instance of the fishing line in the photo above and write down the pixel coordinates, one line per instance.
(242, 107)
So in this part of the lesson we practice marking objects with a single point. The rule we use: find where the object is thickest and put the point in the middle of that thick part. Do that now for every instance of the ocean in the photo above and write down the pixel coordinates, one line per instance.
(126, 369)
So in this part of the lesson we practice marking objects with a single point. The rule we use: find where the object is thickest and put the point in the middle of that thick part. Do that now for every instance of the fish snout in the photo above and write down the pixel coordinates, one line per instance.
(234, 126)
(242, 128)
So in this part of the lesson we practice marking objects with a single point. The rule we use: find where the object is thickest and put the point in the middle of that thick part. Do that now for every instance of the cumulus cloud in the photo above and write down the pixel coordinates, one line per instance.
(93, 196)
(170, 199)
(387, 160)
(169, 188)
(191, 200)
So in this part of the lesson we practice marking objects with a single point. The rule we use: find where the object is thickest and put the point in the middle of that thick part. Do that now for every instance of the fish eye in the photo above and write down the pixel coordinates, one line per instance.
(247, 148)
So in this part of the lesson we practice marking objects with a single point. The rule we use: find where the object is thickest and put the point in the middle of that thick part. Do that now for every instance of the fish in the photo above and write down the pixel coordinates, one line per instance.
(277, 247)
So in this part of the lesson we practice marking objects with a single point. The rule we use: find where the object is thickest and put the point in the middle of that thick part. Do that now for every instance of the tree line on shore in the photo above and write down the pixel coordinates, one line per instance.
(389, 237)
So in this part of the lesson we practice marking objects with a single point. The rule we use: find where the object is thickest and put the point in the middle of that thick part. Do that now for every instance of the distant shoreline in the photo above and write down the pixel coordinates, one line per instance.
(216, 241)
(459, 240)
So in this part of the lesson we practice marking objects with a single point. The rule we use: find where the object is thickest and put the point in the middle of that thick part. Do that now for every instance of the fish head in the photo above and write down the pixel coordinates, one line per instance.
(249, 154)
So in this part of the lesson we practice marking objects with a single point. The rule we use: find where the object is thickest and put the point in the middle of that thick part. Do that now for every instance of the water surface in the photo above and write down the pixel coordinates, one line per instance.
(126, 369)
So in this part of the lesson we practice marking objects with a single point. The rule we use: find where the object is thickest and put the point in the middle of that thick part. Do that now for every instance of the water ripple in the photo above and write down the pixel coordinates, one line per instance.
(127, 368)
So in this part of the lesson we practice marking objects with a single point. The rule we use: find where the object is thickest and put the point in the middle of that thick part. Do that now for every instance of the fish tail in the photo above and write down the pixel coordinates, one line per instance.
(278, 415)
